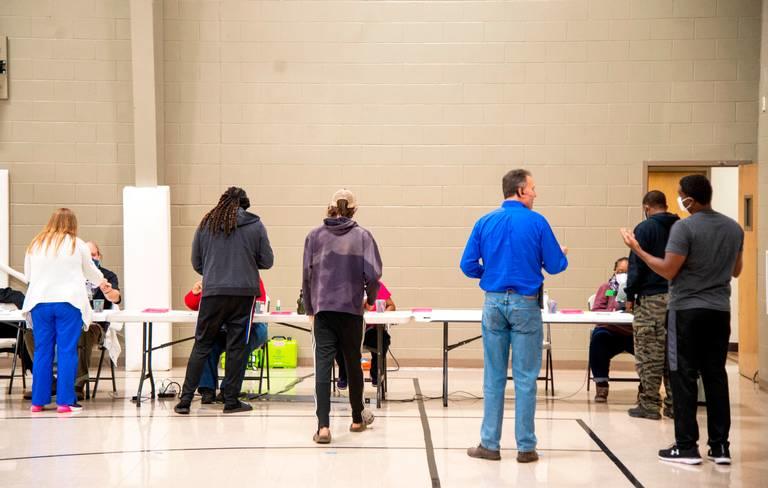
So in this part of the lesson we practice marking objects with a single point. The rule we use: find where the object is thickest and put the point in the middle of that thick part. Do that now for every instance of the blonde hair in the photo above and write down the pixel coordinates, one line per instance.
(62, 223)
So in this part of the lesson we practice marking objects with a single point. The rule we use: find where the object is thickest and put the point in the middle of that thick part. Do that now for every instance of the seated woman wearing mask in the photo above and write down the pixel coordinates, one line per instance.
(609, 340)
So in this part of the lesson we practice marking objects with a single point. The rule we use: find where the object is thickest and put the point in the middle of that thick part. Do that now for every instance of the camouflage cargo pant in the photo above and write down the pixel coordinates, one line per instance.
(650, 337)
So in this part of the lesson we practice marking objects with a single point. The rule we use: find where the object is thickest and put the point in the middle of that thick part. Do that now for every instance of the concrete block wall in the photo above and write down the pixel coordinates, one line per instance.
(419, 107)
(66, 130)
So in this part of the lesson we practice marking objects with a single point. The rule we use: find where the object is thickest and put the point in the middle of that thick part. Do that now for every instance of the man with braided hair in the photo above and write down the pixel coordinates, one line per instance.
(229, 248)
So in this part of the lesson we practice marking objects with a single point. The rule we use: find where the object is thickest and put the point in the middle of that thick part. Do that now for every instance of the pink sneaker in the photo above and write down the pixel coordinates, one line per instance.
(36, 409)
(74, 408)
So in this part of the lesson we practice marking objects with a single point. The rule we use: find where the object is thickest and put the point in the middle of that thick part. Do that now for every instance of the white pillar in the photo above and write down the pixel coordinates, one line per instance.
(147, 264)
(147, 82)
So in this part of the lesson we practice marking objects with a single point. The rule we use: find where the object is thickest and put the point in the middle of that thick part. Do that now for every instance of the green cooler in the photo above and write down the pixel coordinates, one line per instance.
(283, 352)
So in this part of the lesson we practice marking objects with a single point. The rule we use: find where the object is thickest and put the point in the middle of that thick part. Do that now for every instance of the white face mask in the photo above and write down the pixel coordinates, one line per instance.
(680, 203)
(621, 278)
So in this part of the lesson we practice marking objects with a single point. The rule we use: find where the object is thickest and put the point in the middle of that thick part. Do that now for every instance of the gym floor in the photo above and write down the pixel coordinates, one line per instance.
(414, 440)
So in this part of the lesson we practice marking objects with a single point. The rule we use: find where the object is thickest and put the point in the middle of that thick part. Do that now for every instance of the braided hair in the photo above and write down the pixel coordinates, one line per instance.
(223, 217)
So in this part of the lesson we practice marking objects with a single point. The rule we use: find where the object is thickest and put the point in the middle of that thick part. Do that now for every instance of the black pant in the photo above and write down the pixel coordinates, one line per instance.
(337, 331)
(234, 313)
(603, 346)
(698, 344)
(370, 342)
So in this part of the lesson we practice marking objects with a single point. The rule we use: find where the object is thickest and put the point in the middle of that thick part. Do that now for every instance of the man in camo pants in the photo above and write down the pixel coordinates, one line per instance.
(647, 297)
(650, 337)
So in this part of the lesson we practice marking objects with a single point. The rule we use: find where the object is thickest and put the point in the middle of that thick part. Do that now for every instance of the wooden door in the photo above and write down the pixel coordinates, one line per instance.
(668, 182)
(748, 357)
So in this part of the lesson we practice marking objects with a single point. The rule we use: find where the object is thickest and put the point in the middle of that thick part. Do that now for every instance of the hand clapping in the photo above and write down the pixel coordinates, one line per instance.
(629, 239)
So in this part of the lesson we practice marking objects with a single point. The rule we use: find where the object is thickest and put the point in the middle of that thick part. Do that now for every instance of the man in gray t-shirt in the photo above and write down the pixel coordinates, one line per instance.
(710, 242)
(702, 255)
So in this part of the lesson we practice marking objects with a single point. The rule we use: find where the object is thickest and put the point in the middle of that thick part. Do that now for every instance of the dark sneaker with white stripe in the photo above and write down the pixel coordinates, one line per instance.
(682, 456)
(719, 453)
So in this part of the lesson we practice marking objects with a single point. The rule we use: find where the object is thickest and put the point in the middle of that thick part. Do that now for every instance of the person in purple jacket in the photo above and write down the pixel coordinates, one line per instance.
(341, 261)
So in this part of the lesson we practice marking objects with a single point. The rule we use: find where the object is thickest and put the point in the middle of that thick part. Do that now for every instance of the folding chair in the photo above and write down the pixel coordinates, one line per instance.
(13, 346)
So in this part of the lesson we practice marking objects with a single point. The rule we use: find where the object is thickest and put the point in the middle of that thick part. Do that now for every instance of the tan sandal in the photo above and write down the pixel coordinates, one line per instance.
(322, 438)
(360, 427)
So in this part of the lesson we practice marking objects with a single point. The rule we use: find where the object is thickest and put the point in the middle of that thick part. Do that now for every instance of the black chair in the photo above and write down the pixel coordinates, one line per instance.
(96, 380)
(590, 303)
(13, 346)
(264, 366)
(549, 371)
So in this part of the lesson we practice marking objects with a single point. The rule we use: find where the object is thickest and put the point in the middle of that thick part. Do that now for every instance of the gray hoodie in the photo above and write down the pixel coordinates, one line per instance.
(230, 264)
(341, 260)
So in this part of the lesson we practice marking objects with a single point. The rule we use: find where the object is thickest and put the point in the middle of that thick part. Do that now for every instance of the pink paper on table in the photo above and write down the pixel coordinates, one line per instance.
(281, 313)
(571, 310)
(421, 310)
(155, 310)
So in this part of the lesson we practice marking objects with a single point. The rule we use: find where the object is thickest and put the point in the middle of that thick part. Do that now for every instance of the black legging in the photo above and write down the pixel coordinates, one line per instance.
(369, 340)
(337, 332)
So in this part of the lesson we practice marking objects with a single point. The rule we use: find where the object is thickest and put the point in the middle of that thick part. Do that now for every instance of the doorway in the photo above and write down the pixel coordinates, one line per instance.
(734, 185)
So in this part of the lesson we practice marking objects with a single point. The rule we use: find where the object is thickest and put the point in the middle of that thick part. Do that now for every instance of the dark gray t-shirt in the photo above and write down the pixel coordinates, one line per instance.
(711, 243)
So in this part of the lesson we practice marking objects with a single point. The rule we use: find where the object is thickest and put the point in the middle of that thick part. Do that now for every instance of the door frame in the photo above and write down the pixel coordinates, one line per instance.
(683, 165)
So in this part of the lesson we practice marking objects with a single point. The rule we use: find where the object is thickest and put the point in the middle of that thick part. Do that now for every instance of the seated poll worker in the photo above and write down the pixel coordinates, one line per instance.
(609, 340)
(257, 337)
(369, 341)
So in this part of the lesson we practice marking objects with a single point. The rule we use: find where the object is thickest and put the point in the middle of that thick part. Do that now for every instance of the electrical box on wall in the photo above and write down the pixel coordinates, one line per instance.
(3, 67)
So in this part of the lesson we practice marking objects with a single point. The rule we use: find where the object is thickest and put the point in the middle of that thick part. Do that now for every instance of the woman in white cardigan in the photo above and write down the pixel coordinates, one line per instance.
(57, 265)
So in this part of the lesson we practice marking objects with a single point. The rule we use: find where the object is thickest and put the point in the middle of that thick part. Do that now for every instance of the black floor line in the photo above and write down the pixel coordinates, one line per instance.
(635, 482)
(433, 474)
(252, 448)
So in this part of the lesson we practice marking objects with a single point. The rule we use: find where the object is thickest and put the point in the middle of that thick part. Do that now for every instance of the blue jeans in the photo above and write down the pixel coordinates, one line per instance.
(60, 325)
(210, 376)
(510, 320)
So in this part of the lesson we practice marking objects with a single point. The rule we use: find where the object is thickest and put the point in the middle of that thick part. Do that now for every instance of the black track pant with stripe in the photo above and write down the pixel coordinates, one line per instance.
(340, 331)
(216, 312)
(698, 345)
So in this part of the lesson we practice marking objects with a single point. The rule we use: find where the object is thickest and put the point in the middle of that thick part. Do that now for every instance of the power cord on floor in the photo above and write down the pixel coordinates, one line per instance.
(169, 389)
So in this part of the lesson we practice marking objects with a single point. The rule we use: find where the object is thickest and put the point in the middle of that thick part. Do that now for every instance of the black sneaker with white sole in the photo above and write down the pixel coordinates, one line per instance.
(674, 454)
(719, 453)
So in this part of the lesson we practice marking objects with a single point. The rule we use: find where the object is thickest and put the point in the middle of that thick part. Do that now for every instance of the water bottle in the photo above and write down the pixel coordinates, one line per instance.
(277, 305)
(545, 301)
(300, 303)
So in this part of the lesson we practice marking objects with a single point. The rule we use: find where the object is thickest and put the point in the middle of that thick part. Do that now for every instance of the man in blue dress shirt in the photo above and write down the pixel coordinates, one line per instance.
(507, 249)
